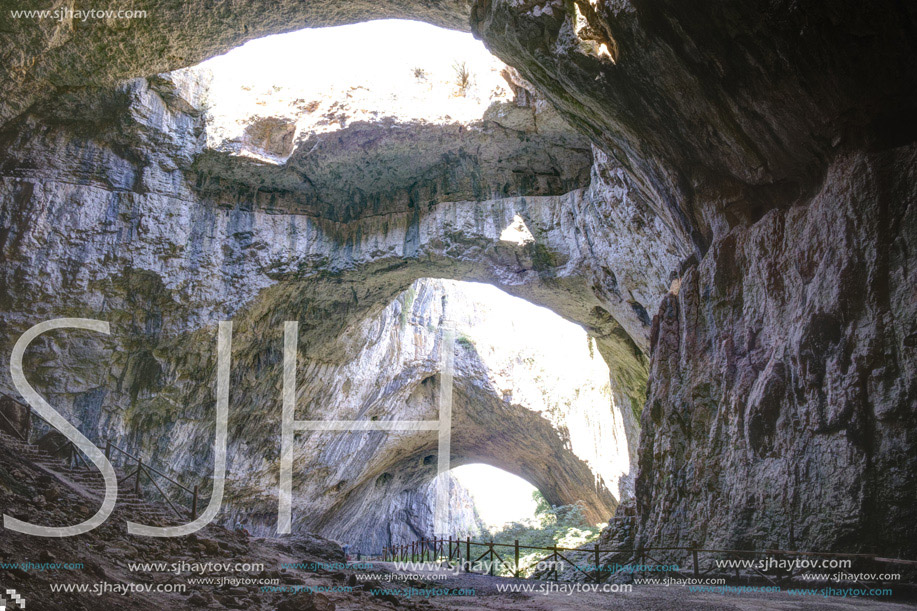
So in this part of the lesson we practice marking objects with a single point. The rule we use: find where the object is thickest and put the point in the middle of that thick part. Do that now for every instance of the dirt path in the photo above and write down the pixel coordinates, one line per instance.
(492, 593)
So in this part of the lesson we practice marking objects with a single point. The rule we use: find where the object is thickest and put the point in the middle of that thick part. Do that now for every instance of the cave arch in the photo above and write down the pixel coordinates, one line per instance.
(572, 450)
(175, 35)
(274, 242)
(743, 120)
(159, 220)
(181, 252)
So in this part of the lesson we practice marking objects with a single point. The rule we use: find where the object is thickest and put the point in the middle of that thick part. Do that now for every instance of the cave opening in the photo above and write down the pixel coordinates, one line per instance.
(406, 118)
(500, 498)
(398, 115)
(262, 96)
(531, 397)
(348, 222)
(697, 187)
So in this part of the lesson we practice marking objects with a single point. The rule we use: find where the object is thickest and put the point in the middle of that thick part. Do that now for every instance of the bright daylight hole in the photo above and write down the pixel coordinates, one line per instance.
(406, 70)
(530, 358)
(499, 497)
(267, 97)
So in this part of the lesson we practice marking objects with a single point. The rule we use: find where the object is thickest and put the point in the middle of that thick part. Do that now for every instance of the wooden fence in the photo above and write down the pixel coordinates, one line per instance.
(659, 561)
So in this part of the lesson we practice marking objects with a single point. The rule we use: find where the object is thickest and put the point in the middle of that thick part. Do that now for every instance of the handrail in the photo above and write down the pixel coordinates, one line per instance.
(13, 426)
(435, 548)
(74, 455)
(673, 548)
(149, 469)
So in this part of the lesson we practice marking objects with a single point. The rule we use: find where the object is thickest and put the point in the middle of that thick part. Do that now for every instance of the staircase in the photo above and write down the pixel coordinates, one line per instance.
(88, 483)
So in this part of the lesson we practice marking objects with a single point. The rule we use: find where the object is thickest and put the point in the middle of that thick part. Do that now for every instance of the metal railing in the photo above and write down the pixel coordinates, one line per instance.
(12, 426)
(75, 458)
(670, 558)
(148, 470)
(450, 549)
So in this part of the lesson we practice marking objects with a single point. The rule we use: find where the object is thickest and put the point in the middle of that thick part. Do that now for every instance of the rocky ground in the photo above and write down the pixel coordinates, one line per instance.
(489, 593)
(43, 492)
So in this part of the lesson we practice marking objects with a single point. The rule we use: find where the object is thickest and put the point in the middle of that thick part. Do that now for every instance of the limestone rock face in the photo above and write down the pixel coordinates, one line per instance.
(113, 172)
(718, 112)
(783, 381)
(106, 215)
(772, 139)
(383, 166)
(65, 50)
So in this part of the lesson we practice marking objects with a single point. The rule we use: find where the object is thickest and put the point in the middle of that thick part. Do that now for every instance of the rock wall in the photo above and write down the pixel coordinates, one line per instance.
(106, 215)
(775, 138)
(771, 138)
(783, 385)
(65, 51)
(719, 112)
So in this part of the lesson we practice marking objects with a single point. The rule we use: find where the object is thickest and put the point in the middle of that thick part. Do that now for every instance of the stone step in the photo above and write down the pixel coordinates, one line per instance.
(135, 506)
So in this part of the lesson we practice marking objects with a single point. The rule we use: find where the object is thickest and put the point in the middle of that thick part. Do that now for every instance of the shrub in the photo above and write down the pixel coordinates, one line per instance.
(561, 525)
(463, 78)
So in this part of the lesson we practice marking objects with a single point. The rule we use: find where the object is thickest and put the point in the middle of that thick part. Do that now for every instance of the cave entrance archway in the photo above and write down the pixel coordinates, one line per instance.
(499, 497)
(394, 70)
(403, 115)
(249, 239)
(531, 396)
(367, 208)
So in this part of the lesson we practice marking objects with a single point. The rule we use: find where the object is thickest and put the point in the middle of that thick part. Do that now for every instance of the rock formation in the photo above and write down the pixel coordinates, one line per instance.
(763, 152)
(110, 213)
(783, 376)
(775, 137)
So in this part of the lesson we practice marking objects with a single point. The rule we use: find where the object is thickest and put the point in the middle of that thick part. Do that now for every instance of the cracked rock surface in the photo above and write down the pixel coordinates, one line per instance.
(761, 151)
(107, 215)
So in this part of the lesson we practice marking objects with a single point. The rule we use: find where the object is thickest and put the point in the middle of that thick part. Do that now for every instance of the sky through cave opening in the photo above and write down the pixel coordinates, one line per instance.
(269, 102)
(513, 355)
(396, 70)
(499, 496)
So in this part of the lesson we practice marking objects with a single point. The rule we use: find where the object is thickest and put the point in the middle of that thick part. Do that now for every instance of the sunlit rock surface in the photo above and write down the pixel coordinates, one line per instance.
(370, 136)
(105, 216)
(727, 118)
(531, 396)
(41, 56)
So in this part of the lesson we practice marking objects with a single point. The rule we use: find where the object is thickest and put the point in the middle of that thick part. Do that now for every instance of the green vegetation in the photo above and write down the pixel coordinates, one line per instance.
(407, 304)
(464, 341)
(561, 525)
(543, 259)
